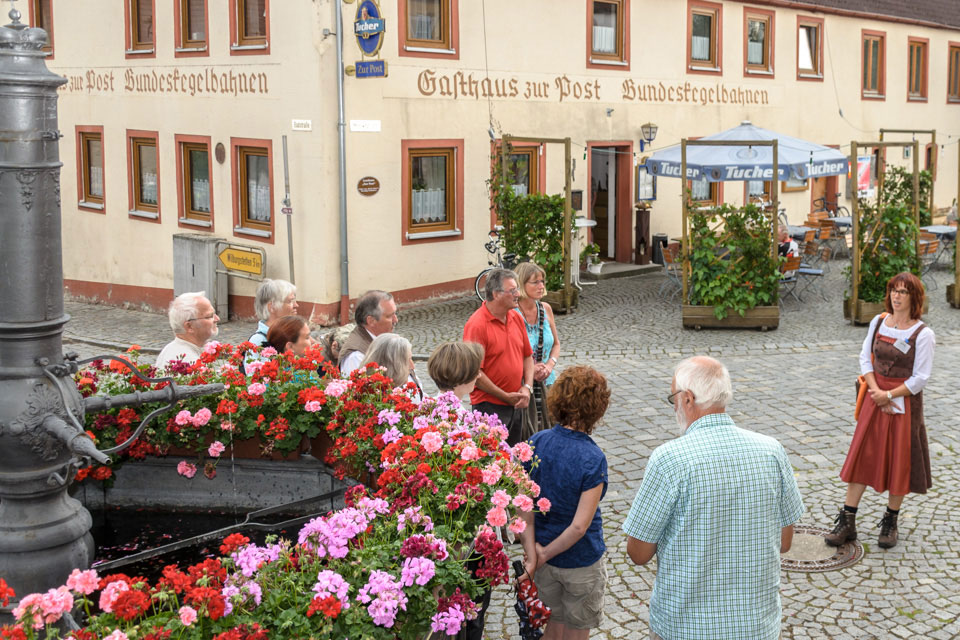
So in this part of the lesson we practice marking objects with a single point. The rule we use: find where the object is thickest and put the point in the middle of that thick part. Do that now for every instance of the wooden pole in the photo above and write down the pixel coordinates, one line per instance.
(685, 264)
(916, 200)
(567, 220)
(775, 197)
(855, 219)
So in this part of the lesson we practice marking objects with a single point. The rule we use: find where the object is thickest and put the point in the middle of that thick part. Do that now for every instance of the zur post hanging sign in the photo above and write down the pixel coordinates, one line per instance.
(369, 27)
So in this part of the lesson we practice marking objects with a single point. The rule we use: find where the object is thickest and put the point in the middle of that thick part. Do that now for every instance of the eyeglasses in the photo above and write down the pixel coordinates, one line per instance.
(537, 282)
(670, 397)
(900, 292)
(209, 317)
(511, 292)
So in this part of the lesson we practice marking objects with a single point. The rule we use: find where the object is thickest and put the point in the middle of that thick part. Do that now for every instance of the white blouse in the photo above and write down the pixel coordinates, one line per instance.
(922, 362)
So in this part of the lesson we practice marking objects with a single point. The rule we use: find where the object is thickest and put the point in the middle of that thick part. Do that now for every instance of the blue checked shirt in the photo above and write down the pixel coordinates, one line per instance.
(714, 501)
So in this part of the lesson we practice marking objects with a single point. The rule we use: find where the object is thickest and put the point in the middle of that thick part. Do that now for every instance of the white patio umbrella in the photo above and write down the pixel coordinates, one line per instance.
(797, 159)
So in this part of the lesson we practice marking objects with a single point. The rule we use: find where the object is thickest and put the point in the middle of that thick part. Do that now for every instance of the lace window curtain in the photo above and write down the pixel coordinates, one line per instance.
(144, 21)
(199, 181)
(148, 174)
(95, 164)
(700, 39)
(196, 20)
(756, 42)
(700, 190)
(604, 27)
(755, 189)
(258, 189)
(255, 18)
(425, 19)
(518, 172)
(429, 197)
(807, 48)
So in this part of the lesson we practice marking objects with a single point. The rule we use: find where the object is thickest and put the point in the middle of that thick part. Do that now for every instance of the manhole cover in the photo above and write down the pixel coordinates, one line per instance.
(810, 553)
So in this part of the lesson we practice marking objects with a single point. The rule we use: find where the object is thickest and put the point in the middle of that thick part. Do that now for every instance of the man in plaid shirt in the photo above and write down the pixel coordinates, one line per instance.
(717, 507)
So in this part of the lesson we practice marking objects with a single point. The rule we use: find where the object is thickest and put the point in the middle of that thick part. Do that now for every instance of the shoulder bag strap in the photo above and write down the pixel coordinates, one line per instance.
(540, 314)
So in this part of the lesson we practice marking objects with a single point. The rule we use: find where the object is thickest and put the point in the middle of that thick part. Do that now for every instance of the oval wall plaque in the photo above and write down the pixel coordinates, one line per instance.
(368, 186)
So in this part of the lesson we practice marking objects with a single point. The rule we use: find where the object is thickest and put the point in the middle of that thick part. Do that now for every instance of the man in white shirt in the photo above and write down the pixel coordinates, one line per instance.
(376, 313)
(194, 322)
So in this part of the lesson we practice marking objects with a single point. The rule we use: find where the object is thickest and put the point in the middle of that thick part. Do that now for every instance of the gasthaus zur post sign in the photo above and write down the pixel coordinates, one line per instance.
(370, 29)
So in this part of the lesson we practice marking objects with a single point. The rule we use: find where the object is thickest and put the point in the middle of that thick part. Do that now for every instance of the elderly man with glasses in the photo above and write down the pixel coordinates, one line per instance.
(506, 375)
(194, 322)
(716, 506)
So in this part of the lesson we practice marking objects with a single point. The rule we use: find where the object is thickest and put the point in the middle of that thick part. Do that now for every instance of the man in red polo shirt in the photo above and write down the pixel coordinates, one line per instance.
(506, 375)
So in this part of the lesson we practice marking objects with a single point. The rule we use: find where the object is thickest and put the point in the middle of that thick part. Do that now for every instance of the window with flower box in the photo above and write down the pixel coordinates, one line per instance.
(190, 24)
(194, 192)
(41, 15)
(953, 73)
(873, 65)
(250, 26)
(809, 48)
(253, 187)
(432, 178)
(704, 36)
(758, 42)
(143, 174)
(608, 36)
(140, 36)
(917, 74)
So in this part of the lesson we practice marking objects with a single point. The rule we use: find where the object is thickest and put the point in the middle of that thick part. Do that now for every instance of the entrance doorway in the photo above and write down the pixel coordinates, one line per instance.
(610, 175)
(824, 188)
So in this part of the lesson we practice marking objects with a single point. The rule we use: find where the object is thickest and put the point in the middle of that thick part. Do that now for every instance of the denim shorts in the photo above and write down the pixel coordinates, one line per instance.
(575, 596)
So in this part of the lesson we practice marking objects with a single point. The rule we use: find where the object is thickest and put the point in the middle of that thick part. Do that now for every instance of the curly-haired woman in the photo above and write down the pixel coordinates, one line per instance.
(564, 547)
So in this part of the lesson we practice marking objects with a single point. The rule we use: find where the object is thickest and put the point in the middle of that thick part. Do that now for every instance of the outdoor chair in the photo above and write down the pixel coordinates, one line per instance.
(929, 250)
(789, 279)
(810, 277)
(816, 256)
(831, 237)
(671, 268)
(809, 237)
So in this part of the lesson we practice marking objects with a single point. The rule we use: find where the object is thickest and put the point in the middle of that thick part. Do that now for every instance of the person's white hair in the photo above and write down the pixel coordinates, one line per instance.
(708, 380)
(392, 352)
(270, 295)
(183, 308)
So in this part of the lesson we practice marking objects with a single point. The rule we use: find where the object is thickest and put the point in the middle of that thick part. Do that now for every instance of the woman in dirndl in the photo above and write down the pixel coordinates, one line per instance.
(889, 450)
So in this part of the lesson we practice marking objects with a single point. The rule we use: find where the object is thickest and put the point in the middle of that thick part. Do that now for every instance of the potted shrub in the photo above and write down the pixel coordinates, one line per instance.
(588, 258)
(734, 274)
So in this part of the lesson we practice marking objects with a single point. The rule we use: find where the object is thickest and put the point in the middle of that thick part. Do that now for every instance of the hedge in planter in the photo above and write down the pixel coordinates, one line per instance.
(732, 266)
(887, 236)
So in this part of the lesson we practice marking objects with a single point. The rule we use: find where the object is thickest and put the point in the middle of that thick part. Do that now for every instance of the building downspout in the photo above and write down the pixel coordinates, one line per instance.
(341, 130)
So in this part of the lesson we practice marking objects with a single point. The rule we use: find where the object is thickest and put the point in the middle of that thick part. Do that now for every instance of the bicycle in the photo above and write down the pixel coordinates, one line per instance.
(495, 260)
(820, 204)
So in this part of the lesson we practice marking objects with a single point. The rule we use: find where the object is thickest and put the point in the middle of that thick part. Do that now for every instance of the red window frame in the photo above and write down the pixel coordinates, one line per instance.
(135, 207)
(34, 10)
(138, 49)
(407, 48)
(601, 61)
(760, 71)
(236, 146)
(953, 72)
(881, 89)
(237, 43)
(817, 73)
(184, 219)
(406, 146)
(698, 66)
(82, 132)
(183, 48)
(923, 45)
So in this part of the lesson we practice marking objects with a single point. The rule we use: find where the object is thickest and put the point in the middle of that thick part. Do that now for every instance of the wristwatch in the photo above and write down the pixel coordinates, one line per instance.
(529, 388)
(552, 359)
(889, 396)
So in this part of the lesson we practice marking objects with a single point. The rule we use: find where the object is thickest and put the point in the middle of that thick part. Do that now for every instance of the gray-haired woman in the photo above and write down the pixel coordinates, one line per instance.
(274, 299)
(395, 354)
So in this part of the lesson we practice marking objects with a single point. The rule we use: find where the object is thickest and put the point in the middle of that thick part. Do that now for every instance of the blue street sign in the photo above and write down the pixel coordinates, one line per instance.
(371, 69)
(369, 27)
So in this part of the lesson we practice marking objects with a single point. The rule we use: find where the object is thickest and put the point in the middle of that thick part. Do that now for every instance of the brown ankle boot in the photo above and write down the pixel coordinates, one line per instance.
(844, 530)
(888, 531)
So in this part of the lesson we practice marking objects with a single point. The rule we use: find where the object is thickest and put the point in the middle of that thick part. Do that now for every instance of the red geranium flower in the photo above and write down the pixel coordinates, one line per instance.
(6, 592)
(233, 542)
(130, 604)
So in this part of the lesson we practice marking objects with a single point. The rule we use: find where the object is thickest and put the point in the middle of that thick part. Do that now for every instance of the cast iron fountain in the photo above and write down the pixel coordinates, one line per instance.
(44, 533)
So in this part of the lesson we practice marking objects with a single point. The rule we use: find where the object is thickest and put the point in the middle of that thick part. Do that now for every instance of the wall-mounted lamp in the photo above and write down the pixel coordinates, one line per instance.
(648, 132)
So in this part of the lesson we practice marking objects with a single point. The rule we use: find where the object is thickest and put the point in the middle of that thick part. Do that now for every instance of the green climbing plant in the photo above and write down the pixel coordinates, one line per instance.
(732, 266)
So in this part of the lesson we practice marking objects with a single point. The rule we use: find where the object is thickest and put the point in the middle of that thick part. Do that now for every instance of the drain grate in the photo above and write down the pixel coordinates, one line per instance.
(810, 553)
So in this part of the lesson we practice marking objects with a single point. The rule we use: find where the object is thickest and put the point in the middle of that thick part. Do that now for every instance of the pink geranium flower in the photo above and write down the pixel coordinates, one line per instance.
(215, 449)
(110, 594)
(188, 615)
(497, 517)
(518, 526)
(117, 635)
(312, 406)
(491, 474)
(186, 469)
(183, 418)
(543, 505)
(201, 417)
(431, 441)
(84, 582)
(500, 498)
(256, 389)
(522, 502)
(523, 451)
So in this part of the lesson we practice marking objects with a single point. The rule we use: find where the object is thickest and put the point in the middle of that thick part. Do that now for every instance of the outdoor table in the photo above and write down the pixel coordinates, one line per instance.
(942, 231)
(843, 222)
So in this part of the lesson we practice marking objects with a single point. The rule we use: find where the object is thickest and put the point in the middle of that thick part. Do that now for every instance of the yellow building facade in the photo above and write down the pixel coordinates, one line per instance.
(175, 110)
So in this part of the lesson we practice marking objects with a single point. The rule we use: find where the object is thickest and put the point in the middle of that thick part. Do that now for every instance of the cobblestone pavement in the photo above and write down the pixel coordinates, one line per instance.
(794, 383)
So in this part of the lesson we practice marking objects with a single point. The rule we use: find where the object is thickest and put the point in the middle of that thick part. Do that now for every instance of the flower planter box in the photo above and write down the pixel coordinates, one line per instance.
(555, 300)
(249, 449)
(952, 296)
(702, 317)
(867, 311)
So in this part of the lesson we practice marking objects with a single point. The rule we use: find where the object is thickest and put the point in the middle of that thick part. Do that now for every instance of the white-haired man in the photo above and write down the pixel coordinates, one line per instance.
(376, 313)
(274, 299)
(717, 507)
(194, 322)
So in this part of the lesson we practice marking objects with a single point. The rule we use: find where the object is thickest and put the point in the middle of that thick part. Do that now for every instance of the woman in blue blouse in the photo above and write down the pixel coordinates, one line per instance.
(541, 331)
(564, 547)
